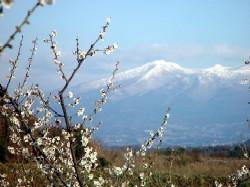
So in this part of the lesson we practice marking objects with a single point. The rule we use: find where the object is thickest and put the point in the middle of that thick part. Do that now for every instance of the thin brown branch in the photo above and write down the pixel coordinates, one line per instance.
(66, 118)
(100, 102)
(77, 50)
(47, 105)
(80, 62)
(56, 55)
(14, 63)
(33, 50)
(18, 29)
(158, 134)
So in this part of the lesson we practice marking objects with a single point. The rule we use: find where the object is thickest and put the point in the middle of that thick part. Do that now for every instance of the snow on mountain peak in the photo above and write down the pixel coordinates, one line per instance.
(217, 68)
(161, 73)
(166, 64)
(153, 69)
(220, 71)
(162, 67)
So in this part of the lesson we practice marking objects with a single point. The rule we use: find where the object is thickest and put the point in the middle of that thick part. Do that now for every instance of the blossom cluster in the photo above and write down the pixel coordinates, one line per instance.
(154, 136)
(50, 137)
(62, 149)
(60, 145)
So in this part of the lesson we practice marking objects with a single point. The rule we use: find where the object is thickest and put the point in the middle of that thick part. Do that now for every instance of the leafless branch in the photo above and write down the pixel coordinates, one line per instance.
(14, 63)
(18, 29)
(33, 50)
(56, 54)
(104, 95)
(46, 103)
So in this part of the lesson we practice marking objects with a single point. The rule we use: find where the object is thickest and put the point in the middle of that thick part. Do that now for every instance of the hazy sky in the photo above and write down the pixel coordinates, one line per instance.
(192, 33)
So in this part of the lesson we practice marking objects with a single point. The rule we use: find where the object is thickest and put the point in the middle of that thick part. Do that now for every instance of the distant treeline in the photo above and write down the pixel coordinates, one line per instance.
(233, 151)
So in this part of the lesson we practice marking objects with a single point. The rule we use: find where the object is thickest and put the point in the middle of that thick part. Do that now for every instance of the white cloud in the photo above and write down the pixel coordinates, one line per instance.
(192, 55)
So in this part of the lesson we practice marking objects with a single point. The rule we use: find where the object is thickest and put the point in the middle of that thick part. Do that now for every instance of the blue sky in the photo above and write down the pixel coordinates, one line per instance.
(192, 33)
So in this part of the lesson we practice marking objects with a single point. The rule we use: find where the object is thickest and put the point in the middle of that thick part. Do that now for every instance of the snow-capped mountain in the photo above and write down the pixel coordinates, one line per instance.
(157, 74)
(208, 105)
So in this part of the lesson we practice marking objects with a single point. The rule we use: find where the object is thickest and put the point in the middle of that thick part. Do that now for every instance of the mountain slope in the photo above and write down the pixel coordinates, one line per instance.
(208, 105)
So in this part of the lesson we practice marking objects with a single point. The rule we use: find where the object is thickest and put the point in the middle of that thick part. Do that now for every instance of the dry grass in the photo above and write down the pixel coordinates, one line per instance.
(188, 169)
(186, 164)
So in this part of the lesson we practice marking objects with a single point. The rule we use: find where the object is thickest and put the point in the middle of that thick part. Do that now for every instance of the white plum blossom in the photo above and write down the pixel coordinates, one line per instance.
(117, 171)
(82, 55)
(84, 141)
(39, 141)
(57, 61)
(244, 171)
(53, 33)
(93, 157)
(80, 112)
(48, 2)
(217, 184)
(70, 94)
(141, 176)
(115, 45)
(108, 20)
(7, 3)
(90, 176)
(25, 151)
(26, 138)
(11, 150)
(84, 117)
(101, 35)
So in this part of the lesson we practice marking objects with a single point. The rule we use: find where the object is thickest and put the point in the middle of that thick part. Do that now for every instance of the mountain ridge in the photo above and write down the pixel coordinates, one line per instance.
(208, 105)
(160, 73)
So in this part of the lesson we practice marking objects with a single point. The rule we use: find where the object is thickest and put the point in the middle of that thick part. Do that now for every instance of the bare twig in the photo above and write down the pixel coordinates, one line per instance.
(14, 63)
(18, 29)
(81, 59)
(104, 95)
(46, 104)
(56, 54)
(80, 62)
(33, 50)
(158, 134)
